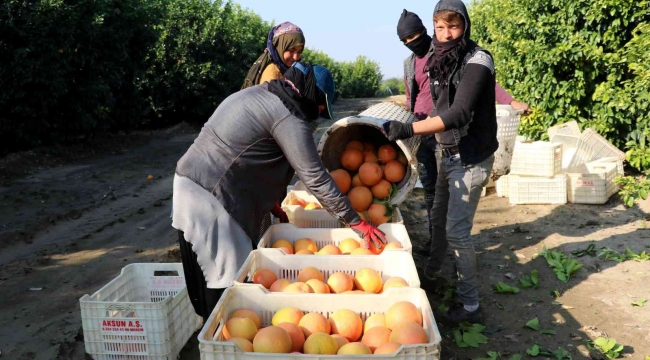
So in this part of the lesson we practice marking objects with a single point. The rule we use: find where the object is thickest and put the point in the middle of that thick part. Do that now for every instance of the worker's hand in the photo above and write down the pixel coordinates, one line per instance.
(369, 233)
(395, 130)
(520, 106)
(279, 213)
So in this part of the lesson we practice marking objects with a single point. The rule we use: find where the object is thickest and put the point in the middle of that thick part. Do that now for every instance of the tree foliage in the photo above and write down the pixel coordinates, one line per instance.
(584, 60)
(70, 69)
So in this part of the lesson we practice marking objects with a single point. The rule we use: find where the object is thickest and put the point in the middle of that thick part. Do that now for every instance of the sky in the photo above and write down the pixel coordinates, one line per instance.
(345, 29)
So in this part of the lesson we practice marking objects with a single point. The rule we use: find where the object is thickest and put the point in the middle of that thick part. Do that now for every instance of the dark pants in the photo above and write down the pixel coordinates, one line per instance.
(203, 299)
(428, 169)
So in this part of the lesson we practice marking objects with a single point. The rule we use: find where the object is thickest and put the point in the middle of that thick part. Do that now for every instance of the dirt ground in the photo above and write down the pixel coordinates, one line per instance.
(71, 218)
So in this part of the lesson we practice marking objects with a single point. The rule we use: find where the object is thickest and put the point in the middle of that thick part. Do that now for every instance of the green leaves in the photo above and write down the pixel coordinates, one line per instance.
(639, 303)
(503, 288)
(562, 266)
(469, 335)
(529, 281)
(608, 347)
(533, 324)
(590, 250)
(559, 354)
(631, 188)
(584, 60)
(494, 355)
(609, 254)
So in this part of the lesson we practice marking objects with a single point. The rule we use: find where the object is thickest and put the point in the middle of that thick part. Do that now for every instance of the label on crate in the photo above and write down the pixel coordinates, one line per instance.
(585, 183)
(167, 282)
(115, 326)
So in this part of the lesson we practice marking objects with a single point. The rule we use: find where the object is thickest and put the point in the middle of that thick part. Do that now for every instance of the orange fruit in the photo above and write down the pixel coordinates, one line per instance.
(361, 198)
(272, 339)
(340, 282)
(367, 279)
(386, 153)
(351, 159)
(248, 314)
(347, 323)
(342, 179)
(409, 333)
(370, 173)
(402, 312)
(313, 323)
(265, 277)
(394, 171)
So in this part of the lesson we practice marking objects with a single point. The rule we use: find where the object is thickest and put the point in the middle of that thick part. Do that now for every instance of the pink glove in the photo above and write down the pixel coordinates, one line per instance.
(279, 213)
(370, 233)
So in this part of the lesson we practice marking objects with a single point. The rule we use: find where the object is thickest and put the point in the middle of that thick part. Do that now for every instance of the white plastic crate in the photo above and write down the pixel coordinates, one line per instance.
(539, 158)
(591, 183)
(391, 264)
(508, 120)
(570, 128)
(592, 146)
(213, 347)
(613, 160)
(143, 314)
(569, 147)
(537, 190)
(318, 218)
(502, 186)
(322, 237)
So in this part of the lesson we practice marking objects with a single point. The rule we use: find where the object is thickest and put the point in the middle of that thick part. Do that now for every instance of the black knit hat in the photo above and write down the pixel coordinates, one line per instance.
(409, 24)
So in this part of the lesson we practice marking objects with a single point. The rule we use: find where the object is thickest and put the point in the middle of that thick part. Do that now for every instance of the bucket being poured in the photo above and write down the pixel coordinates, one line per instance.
(366, 127)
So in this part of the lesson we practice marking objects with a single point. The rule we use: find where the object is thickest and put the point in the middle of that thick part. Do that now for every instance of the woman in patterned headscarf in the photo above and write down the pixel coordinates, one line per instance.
(284, 46)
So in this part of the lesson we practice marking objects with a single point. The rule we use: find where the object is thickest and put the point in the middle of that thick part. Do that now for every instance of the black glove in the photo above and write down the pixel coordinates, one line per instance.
(395, 130)
(279, 213)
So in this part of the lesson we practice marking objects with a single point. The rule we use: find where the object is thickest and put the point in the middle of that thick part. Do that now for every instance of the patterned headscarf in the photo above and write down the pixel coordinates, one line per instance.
(280, 39)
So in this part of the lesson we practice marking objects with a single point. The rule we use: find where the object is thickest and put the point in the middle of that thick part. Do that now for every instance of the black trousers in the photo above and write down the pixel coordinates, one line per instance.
(203, 299)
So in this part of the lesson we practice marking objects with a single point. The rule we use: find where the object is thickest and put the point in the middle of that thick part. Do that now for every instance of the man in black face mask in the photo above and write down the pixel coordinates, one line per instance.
(413, 34)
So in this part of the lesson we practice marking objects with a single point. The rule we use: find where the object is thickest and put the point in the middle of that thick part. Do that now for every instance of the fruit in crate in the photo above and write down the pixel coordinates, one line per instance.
(346, 323)
(329, 250)
(348, 245)
(393, 245)
(298, 287)
(288, 314)
(320, 344)
(378, 214)
(340, 282)
(354, 348)
(402, 312)
(298, 201)
(241, 328)
(386, 153)
(409, 333)
(388, 348)
(362, 251)
(305, 243)
(314, 322)
(376, 337)
(355, 144)
(368, 280)
(319, 286)
(244, 313)
(272, 339)
(373, 320)
(264, 277)
(370, 157)
(381, 190)
(283, 243)
(279, 285)
(295, 333)
(304, 252)
(340, 340)
(356, 181)
(309, 273)
(244, 345)
(351, 159)
(313, 206)
(370, 173)
(394, 171)
(394, 282)
(361, 198)
(342, 179)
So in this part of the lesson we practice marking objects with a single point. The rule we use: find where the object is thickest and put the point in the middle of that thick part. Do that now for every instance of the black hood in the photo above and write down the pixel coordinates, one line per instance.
(456, 6)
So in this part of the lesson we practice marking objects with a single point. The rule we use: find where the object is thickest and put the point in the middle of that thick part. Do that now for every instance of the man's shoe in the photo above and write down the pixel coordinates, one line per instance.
(457, 315)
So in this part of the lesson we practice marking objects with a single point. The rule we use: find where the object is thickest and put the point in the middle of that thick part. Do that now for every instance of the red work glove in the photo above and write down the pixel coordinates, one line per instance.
(279, 213)
(369, 233)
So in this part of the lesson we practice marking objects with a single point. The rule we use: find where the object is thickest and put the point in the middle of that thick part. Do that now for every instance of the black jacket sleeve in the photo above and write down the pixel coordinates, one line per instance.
(476, 81)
